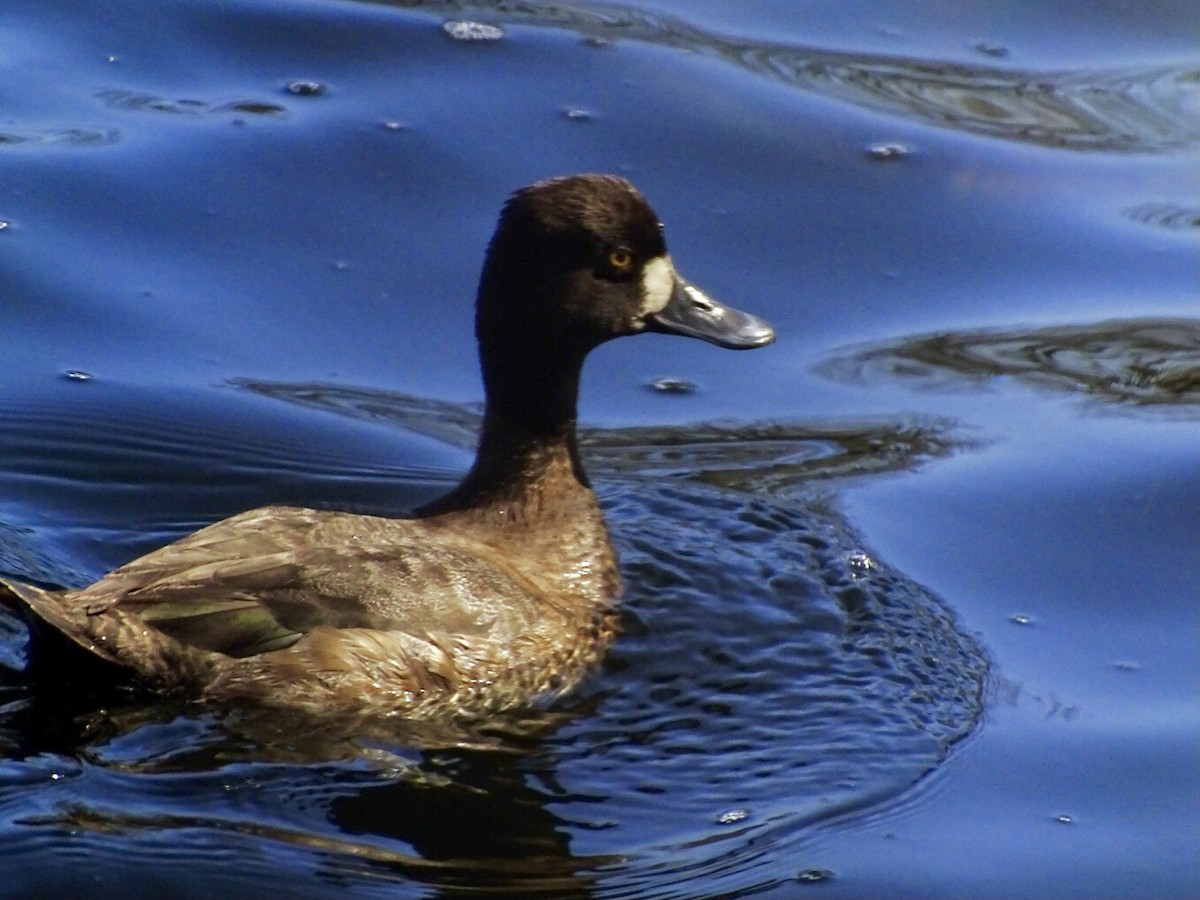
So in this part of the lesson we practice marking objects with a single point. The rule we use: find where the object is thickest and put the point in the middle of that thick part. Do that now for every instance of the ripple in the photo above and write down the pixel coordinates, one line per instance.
(760, 669)
(769, 457)
(1152, 109)
(1171, 216)
(32, 555)
(451, 423)
(767, 680)
(778, 459)
(132, 101)
(1133, 110)
(90, 482)
(1124, 363)
(72, 137)
(141, 101)
(773, 673)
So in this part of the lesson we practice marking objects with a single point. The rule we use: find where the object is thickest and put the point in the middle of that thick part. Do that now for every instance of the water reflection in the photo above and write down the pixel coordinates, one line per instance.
(1134, 110)
(1131, 110)
(447, 422)
(481, 829)
(1132, 364)
(463, 815)
(775, 459)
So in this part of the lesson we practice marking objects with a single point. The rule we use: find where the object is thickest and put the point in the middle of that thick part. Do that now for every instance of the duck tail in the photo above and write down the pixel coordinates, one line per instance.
(49, 618)
(18, 594)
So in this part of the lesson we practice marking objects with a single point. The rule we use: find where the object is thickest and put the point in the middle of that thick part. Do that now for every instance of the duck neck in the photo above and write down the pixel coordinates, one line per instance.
(527, 495)
(527, 445)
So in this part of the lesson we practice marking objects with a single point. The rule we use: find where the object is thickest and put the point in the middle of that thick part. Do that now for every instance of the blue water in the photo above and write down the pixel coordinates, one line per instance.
(912, 606)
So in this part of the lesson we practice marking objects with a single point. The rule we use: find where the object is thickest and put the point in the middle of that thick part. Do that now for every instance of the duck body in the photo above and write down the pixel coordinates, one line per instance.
(499, 593)
(327, 610)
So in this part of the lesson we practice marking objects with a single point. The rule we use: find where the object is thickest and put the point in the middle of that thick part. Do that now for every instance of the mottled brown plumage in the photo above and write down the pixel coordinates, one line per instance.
(500, 592)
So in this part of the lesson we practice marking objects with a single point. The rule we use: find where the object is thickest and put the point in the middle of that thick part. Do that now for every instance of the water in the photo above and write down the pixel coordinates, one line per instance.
(913, 591)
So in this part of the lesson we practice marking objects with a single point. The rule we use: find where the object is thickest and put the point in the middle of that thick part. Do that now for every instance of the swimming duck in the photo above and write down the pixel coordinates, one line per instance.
(498, 593)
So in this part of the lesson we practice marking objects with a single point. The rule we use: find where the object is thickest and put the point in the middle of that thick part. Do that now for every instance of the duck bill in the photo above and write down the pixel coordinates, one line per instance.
(692, 313)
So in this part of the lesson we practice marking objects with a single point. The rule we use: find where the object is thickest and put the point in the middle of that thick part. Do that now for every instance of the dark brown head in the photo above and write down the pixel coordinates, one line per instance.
(582, 259)
(577, 261)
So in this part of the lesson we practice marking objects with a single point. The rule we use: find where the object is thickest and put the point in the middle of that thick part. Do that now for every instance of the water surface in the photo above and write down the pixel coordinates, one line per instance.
(912, 605)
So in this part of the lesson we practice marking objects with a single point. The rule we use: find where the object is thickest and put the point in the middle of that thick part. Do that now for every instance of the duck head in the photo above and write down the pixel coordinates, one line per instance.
(579, 260)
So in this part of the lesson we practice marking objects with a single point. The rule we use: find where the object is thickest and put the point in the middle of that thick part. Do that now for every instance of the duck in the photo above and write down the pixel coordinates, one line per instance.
(498, 594)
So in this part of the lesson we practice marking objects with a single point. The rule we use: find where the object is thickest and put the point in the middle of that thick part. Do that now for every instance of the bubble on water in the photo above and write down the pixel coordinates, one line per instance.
(3, 224)
(814, 876)
(1063, 819)
(1126, 665)
(1021, 619)
(730, 816)
(393, 125)
(465, 30)
(340, 265)
(77, 375)
(578, 114)
(859, 562)
(303, 88)
(669, 385)
(887, 152)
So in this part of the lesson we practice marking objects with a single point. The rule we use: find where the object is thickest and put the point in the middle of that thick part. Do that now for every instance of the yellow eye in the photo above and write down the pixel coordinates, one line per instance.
(620, 259)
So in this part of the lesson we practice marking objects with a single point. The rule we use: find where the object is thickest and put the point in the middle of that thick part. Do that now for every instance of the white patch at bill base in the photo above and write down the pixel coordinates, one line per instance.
(658, 283)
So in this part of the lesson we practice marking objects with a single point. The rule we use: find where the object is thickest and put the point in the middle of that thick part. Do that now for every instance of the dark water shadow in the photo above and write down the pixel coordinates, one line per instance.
(1132, 110)
(1130, 366)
